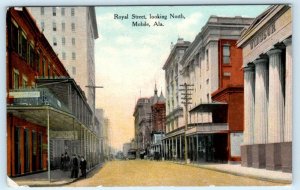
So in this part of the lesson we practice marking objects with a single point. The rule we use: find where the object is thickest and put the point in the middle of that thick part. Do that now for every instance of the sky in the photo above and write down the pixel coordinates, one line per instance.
(129, 59)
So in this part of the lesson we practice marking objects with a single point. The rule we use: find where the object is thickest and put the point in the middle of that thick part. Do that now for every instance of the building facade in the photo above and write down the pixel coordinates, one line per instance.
(267, 65)
(211, 66)
(71, 32)
(174, 109)
(44, 120)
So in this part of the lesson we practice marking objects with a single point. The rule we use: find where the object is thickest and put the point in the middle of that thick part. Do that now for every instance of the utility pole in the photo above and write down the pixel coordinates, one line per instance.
(186, 97)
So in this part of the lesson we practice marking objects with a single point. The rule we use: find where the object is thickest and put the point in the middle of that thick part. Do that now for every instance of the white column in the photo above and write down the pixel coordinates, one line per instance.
(261, 101)
(288, 120)
(249, 78)
(276, 99)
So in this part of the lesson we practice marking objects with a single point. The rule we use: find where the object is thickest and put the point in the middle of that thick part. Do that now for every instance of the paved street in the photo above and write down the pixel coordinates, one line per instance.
(153, 173)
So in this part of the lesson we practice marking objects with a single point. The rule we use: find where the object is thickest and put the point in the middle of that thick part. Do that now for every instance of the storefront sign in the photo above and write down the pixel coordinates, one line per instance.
(32, 94)
(262, 35)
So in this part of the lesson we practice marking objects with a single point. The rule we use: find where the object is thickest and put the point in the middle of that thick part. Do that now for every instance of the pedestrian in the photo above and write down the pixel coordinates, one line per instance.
(67, 161)
(74, 162)
(83, 164)
(62, 162)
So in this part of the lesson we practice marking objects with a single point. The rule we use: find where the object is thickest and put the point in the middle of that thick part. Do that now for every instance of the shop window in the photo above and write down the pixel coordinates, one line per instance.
(226, 54)
(26, 150)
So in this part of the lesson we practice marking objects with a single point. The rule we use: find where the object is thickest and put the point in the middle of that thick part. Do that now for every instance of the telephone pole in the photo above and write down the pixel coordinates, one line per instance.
(186, 97)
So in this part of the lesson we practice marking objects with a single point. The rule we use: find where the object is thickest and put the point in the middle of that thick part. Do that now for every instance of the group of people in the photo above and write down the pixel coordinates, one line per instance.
(75, 164)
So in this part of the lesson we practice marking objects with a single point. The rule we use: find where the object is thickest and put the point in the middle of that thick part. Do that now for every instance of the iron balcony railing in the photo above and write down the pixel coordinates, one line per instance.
(207, 127)
(35, 97)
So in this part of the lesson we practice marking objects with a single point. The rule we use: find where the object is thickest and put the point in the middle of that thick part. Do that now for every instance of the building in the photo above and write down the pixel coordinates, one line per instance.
(71, 32)
(211, 66)
(174, 109)
(126, 147)
(267, 65)
(44, 120)
(158, 110)
(142, 124)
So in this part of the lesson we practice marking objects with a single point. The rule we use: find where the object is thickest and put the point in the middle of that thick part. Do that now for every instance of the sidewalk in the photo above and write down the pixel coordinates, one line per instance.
(58, 178)
(237, 169)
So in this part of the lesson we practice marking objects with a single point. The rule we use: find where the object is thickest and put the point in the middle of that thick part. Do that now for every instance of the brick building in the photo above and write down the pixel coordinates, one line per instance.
(47, 112)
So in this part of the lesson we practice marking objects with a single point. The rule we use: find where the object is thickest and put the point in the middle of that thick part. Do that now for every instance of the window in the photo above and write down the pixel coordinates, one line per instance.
(23, 45)
(207, 60)
(49, 70)
(207, 96)
(74, 70)
(73, 41)
(54, 11)
(63, 41)
(72, 12)
(63, 55)
(63, 26)
(37, 61)
(43, 25)
(73, 56)
(73, 27)
(54, 41)
(62, 11)
(14, 36)
(44, 68)
(207, 81)
(54, 26)
(226, 54)
(24, 81)
(42, 11)
(15, 79)
(31, 55)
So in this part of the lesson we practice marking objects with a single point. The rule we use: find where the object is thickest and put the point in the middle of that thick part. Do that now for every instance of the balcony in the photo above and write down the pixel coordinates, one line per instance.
(34, 97)
(200, 128)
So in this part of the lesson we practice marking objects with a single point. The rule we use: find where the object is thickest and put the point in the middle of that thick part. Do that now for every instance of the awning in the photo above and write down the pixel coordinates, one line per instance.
(209, 107)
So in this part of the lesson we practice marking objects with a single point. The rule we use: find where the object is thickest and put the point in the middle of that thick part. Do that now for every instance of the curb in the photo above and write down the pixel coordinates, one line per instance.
(282, 181)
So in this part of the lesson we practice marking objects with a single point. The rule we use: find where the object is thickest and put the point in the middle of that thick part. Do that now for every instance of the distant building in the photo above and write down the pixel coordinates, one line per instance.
(126, 147)
(267, 65)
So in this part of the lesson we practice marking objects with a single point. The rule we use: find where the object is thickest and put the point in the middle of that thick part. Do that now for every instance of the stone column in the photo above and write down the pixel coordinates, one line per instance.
(180, 148)
(176, 147)
(261, 113)
(286, 146)
(275, 110)
(249, 89)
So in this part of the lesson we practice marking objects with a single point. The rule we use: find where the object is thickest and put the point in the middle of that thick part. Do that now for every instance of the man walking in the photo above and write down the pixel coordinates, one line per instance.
(74, 173)
(83, 167)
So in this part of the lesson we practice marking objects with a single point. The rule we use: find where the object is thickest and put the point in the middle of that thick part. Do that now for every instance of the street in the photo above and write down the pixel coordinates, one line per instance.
(153, 173)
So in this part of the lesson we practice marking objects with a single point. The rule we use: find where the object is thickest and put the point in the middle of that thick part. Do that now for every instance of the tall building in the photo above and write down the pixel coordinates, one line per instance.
(71, 31)
(267, 65)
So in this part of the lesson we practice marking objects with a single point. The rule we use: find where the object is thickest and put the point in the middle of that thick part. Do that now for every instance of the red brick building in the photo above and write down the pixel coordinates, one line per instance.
(29, 56)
